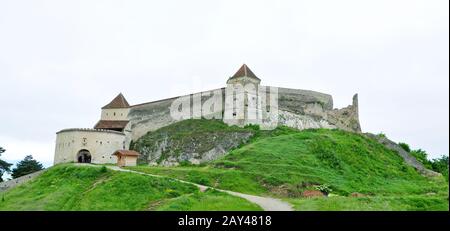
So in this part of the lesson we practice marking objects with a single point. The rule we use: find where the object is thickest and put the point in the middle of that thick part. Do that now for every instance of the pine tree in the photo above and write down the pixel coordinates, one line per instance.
(26, 166)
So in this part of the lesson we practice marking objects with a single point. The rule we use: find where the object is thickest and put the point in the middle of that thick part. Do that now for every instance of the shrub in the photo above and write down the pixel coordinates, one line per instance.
(252, 126)
(441, 165)
(405, 146)
(185, 163)
(172, 193)
(325, 188)
(422, 157)
(103, 169)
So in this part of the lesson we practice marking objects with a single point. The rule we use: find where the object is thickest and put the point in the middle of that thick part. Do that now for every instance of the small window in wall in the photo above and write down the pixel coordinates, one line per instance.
(106, 113)
(114, 114)
(101, 142)
(234, 113)
(121, 114)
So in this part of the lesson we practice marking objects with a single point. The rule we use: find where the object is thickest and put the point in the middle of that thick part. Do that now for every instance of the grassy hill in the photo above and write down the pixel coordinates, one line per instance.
(286, 162)
(69, 187)
(282, 163)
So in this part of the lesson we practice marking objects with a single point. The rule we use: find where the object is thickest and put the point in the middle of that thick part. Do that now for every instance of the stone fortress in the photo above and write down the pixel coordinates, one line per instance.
(121, 123)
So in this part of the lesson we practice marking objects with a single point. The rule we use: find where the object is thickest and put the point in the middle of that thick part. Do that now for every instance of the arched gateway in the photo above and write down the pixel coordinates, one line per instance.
(84, 156)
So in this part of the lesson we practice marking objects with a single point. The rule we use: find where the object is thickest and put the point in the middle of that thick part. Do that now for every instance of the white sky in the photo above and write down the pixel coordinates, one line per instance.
(60, 61)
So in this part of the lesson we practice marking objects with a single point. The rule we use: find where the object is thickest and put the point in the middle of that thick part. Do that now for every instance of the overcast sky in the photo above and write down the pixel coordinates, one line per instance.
(61, 61)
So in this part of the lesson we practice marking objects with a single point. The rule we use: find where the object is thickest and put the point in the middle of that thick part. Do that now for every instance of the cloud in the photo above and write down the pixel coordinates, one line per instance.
(16, 150)
(61, 61)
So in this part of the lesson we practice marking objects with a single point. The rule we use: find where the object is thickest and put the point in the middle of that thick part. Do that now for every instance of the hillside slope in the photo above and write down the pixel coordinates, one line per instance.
(69, 187)
(287, 162)
(190, 141)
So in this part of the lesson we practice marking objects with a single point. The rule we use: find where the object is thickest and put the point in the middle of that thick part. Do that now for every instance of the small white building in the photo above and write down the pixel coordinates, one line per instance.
(86, 145)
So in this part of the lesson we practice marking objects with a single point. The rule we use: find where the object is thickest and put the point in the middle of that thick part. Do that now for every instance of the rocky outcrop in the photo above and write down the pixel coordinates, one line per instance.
(193, 142)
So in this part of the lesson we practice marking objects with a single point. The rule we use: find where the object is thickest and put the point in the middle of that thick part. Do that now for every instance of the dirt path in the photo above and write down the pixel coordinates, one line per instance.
(266, 203)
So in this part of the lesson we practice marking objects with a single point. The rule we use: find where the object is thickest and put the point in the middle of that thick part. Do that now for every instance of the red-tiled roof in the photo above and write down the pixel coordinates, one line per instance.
(126, 153)
(244, 71)
(118, 102)
(111, 124)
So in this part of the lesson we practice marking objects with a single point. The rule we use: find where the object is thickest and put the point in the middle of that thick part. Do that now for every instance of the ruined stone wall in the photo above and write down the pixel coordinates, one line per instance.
(346, 118)
(154, 115)
(19, 180)
(299, 109)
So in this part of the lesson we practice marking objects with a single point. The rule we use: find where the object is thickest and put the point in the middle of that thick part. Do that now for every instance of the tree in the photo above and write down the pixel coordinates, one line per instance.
(422, 156)
(405, 146)
(4, 166)
(26, 166)
(441, 165)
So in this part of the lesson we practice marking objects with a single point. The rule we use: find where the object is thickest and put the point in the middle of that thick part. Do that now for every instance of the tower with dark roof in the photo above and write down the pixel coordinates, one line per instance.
(244, 105)
(114, 115)
(244, 76)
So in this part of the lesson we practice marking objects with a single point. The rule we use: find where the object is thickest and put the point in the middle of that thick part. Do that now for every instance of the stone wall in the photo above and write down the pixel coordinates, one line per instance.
(18, 181)
(151, 116)
(297, 108)
(346, 118)
(101, 144)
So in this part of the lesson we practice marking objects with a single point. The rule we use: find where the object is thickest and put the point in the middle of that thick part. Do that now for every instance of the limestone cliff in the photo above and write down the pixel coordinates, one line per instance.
(190, 141)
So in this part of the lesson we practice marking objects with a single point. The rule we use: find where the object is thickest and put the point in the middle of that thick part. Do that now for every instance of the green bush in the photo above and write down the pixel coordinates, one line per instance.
(325, 188)
(422, 157)
(441, 165)
(405, 146)
(103, 169)
(252, 126)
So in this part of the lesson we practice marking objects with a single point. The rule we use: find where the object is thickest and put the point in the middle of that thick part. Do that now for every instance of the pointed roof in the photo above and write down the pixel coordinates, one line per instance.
(244, 71)
(118, 102)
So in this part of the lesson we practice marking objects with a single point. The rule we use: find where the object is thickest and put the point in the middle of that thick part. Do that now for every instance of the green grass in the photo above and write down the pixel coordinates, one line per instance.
(211, 200)
(231, 179)
(285, 162)
(68, 187)
(382, 203)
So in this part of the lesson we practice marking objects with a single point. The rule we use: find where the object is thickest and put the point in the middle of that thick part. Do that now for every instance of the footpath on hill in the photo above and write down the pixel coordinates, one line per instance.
(266, 203)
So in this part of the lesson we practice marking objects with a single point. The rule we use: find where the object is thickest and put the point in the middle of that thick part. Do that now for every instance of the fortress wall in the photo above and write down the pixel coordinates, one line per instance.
(346, 118)
(308, 109)
(296, 100)
(100, 143)
(154, 115)
(19, 180)
(299, 109)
